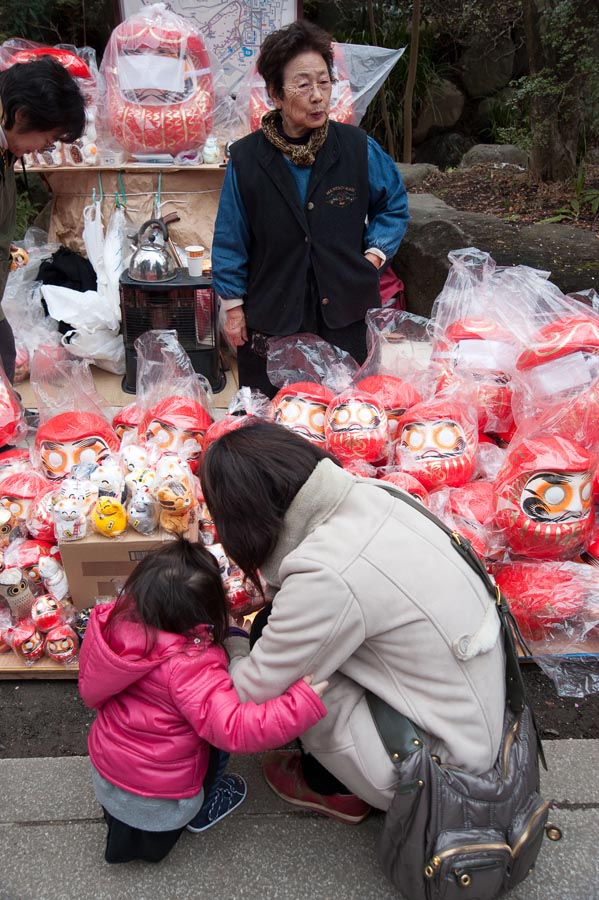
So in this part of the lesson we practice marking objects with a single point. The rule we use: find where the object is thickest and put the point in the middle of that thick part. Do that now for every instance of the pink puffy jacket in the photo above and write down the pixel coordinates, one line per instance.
(159, 713)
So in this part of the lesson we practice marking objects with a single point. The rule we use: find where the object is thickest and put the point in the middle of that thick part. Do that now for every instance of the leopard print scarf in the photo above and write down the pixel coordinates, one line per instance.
(300, 154)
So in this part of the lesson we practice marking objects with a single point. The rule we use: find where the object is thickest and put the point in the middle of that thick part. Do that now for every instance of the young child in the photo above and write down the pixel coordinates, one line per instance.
(154, 666)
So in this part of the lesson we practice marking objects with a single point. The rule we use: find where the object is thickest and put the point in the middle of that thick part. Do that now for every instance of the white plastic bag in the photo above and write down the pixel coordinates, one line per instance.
(101, 346)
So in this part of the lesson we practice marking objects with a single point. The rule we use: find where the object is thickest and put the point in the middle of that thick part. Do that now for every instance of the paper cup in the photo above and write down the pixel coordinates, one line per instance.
(195, 256)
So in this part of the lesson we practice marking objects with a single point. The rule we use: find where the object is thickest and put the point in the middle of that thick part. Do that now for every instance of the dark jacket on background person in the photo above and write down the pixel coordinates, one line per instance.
(326, 232)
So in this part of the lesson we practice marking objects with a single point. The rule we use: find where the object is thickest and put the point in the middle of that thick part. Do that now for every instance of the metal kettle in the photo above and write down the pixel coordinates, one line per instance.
(152, 261)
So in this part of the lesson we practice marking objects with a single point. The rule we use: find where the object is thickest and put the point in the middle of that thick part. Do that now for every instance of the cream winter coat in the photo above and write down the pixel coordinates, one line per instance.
(372, 594)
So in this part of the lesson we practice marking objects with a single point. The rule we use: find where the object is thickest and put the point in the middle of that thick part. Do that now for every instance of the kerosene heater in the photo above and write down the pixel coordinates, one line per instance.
(157, 295)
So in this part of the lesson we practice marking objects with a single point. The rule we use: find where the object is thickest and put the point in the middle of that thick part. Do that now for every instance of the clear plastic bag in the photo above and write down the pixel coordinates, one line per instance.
(156, 84)
(360, 70)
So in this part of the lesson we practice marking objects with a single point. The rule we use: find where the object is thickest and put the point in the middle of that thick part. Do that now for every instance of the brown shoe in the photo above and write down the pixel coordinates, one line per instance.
(282, 770)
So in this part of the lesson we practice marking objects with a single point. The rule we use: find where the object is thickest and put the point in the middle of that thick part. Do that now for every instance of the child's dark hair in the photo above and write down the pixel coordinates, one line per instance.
(174, 588)
(45, 95)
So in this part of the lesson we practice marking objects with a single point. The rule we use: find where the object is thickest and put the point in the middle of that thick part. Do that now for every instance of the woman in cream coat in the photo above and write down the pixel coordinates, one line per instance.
(368, 593)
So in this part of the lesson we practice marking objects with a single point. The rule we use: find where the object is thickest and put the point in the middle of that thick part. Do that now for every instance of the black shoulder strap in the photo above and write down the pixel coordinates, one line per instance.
(514, 683)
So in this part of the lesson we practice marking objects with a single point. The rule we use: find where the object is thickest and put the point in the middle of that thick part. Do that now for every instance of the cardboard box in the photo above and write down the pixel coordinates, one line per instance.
(97, 566)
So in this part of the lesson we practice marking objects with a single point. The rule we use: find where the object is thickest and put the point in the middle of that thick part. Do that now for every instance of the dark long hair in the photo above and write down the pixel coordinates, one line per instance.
(280, 47)
(175, 588)
(249, 478)
(45, 95)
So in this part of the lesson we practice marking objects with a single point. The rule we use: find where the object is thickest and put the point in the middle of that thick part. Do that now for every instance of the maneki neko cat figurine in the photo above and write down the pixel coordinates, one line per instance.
(70, 523)
(109, 517)
(177, 504)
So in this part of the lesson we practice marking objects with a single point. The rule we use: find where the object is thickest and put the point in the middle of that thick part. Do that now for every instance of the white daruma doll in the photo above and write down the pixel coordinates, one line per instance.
(356, 427)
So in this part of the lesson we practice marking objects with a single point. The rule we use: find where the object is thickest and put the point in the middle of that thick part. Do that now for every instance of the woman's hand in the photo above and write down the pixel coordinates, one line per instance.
(376, 261)
(234, 327)
(318, 688)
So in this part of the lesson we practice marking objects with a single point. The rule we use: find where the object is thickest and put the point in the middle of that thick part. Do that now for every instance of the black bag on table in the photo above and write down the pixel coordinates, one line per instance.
(450, 835)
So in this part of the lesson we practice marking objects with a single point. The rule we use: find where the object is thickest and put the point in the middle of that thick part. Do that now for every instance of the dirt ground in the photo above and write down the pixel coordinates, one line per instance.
(48, 718)
(510, 194)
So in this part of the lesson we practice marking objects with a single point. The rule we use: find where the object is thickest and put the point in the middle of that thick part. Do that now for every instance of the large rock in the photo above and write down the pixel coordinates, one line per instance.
(444, 150)
(496, 154)
(442, 108)
(570, 254)
(413, 174)
(487, 66)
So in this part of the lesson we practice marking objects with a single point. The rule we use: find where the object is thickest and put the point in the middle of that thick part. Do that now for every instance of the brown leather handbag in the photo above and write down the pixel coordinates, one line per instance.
(450, 835)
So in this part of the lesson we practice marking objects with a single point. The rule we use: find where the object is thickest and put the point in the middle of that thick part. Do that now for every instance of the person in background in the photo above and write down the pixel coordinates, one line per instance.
(153, 664)
(368, 593)
(310, 212)
(40, 103)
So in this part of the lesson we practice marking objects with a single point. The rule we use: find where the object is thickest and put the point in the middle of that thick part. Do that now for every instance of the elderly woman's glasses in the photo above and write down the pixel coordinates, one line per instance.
(305, 88)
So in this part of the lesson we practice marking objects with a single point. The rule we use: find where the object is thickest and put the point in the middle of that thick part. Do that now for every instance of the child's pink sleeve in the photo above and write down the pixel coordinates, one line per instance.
(209, 701)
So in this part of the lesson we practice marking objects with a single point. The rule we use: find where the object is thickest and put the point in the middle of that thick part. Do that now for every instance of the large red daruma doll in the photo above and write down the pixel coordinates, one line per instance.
(342, 105)
(437, 443)
(160, 96)
(543, 498)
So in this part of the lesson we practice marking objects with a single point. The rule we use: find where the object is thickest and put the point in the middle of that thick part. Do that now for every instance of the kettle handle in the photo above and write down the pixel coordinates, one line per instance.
(147, 224)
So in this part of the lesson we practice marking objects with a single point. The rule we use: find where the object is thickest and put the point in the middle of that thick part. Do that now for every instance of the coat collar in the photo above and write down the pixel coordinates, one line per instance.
(314, 503)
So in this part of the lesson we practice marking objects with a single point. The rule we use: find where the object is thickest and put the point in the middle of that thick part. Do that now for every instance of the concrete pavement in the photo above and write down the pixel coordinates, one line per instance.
(52, 840)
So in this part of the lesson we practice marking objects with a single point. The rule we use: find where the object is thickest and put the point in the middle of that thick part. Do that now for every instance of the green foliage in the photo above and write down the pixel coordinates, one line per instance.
(392, 23)
(77, 22)
(583, 197)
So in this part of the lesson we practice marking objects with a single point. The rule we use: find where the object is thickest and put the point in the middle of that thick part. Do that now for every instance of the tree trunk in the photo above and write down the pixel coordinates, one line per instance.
(555, 121)
(410, 82)
(384, 109)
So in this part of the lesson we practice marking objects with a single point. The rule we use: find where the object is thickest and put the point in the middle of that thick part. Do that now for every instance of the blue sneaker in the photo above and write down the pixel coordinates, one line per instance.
(230, 793)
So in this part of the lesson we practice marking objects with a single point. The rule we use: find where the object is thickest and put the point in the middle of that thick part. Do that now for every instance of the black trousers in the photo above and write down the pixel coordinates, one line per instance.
(315, 775)
(125, 843)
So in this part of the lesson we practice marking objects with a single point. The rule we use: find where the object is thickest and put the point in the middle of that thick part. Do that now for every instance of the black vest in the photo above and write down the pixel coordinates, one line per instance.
(327, 232)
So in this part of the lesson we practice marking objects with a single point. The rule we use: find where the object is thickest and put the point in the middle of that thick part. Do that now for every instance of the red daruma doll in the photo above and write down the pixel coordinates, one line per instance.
(437, 443)
(544, 499)
(62, 644)
(71, 438)
(301, 407)
(356, 427)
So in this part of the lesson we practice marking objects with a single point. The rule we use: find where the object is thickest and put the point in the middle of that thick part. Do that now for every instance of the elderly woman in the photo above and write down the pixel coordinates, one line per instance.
(368, 593)
(310, 212)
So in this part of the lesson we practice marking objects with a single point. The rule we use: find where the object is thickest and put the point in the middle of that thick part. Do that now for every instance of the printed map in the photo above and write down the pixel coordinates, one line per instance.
(232, 29)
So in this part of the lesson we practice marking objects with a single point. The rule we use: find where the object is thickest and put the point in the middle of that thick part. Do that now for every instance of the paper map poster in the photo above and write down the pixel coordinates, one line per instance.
(232, 29)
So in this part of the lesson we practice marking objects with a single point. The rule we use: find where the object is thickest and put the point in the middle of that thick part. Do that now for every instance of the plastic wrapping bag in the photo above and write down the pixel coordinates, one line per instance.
(556, 605)
(245, 407)
(176, 406)
(359, 70)
(468, 509)
(307, 357)
(399, 345)
(157, 92)
(471, 337)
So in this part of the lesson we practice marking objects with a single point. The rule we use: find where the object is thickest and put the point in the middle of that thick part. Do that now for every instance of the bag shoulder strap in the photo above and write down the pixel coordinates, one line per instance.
(514, 682)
